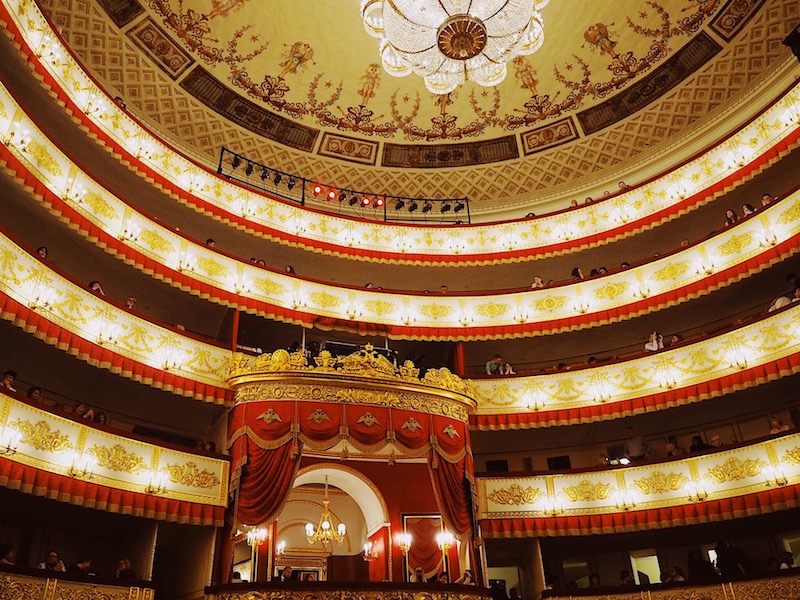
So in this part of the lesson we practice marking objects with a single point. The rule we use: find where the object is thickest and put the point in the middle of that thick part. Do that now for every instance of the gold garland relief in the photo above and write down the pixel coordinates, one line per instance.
(41, 437)
(117, 458)
(586, 491)
(734, 469)
(189, 475)
(515, 495)
(661, 483)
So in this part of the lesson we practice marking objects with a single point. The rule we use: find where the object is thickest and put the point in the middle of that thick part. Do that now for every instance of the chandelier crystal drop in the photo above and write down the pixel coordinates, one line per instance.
(325, 532)
(450, 41)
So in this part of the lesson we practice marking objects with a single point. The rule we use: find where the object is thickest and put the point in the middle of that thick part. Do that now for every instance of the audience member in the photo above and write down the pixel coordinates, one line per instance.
(766, 199)
(655, 342)
(101, 418)
(676, 574)
(625, 578)
(625, 265)
(623, 186)
(237, 578)
(124, 570)
(777, 426)
(42, 252)
(537, 282)
(52, 563)
(698, 445)
(576, 274)
(35, 393)
(672, 447)
(211, 243)
(635, 447)
(290, 269)
(467, 578)
(730, 560)
(508, 369)
(262, 263)
(96, 288)
(573, 204)
(8, 380)
(594, 580)
(513, 594)
(495, 366)
(603, 270)
(418, 576)
(82, 566)
(796, 296)
(787, 560)
(747, 209)
(603, 460)
(779, 302)
(8, 556)
(730, 217)
(80, 409)
(286, 574)
(699, 568)
(675, 340)
(130, 302)
(443, 577)
(716, 441)
(442, 289)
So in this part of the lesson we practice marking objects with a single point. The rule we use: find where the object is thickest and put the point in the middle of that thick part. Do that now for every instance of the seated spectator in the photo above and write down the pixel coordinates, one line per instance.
(594, 273)
(672, 447)
(124, 570)
(130, 302)
(588, 200)
(495, 366)
(676, 575)
(211, 243)
(576, 274)
(290, 269)
(8, 380)
(237, 578)
(8, 556)
(698, 445)
(52, 563)
(747, 209)
(537, 282)
(777, 426)
(42, 252)
(779, 302)
(467, 578)
(675, 340)
(83, 566)
(443, 577)
(35, 393)
(787, 560)
(508, 369)
(625, 265)
(603, 460)
(623, 186)
(369, 285)
(698, 567)
(796, 296)
(594, 580)
(96, 288)
(635, 447)
(767, 199)
(573, 204)
(626, 578)
(684, 243)
(730, 217)
(716, 441)
(101, 418)
(262, 263)
(655, 342)
(442, 289)
(730, 560)
(513, 594)
(80, 409)
(603, 270)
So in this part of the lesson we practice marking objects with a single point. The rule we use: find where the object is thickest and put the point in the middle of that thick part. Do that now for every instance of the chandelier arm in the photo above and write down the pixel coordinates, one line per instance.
(498, 11)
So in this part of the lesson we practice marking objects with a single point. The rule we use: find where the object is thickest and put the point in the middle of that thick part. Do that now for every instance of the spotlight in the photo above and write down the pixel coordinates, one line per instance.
(331, 195)
(379, 202)
(365, 201)
(459, 207)
(248, 170)
(353, 200)
(342, 196)
(278, 179)
(427, 206)
(445, 207)
(264, 175)
(413, 206)
(317, 190)
(236, 161)
(399, 204)
(292, 183)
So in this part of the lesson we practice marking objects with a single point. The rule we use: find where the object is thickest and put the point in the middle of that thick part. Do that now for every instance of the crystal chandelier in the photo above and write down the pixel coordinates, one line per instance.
(450, 41)
(325, 531)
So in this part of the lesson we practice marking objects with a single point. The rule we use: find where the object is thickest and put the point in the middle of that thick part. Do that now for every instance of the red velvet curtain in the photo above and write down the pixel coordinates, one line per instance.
(266, 478)
(424, 551)
(453, 489)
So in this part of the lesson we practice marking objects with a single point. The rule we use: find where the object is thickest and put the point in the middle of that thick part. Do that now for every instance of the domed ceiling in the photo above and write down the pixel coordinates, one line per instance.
(299, 86)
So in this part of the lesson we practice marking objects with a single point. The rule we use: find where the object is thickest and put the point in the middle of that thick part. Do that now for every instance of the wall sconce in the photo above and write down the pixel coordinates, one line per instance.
(407, 319)
(43, 299)
(280, 549)
(18, 139)
(10, 440)
(145, 151)
(642, 291)
(521, 316)
(774, 474)
(370, 552)
(581, 306)
(243, 286)
(256, 536)
(553, 507)
(625, 500)
(445, 541)
(354, 311)
(736, 356)
(769, 238)
(108, 334)
(75, 192)
(246, 209)
(666, 378)
(704, 268)
(186, 263)
(157, 483)
(82, 466)
(298, 301)
(130, 231)
(466, 319)
(403, 542)
(697, 491)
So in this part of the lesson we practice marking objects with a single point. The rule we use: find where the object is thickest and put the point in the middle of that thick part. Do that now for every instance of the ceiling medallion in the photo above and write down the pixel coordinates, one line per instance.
(450, 41)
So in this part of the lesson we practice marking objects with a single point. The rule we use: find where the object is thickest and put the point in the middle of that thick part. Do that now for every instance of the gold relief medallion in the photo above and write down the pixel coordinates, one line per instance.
(492, 310)
(515, 495)
(586, 491)
(324, 299)
(660, 483)
(379, 307)
(550, 303)
(671, 271)
(44, 158)
(189, 475)
(736, 244)
(611, 290)
(435, 311)
(41, 437)
(212, 267)
(156, 241)
(99, 205)
(734, 469)
(117, 458)
(269, 287)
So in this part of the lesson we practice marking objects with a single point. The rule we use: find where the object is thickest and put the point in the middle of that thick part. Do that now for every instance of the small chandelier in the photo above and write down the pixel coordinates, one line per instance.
(256, 536)
(450, 41)
(325, 531)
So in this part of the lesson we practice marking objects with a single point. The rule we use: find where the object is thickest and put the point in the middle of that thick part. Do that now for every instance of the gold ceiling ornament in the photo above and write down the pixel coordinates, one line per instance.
(326, 533)
(515, 495)
(448, 42)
